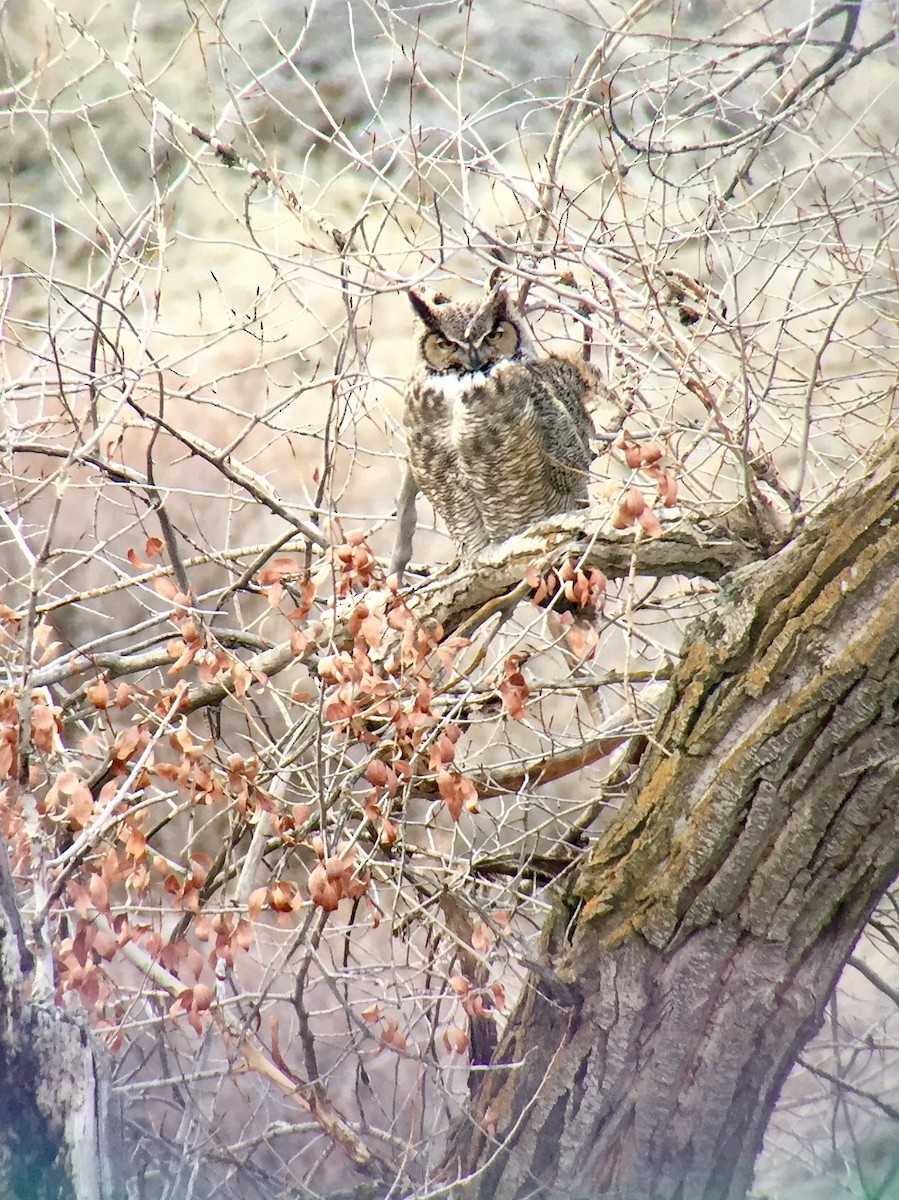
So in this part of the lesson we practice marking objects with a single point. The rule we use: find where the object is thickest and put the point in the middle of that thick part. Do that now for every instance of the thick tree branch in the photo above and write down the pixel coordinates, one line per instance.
(694, 548)
(687, 548)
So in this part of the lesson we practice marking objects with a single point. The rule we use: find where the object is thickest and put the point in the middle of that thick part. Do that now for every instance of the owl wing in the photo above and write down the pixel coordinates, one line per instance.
(523, 442)
(564, 427)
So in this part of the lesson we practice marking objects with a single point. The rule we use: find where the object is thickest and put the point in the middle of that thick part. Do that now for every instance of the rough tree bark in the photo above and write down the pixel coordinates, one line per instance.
(59, 1132)
(694, 955)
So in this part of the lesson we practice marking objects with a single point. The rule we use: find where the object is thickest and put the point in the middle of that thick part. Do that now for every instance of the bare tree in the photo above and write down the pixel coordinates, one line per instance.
(430, 889)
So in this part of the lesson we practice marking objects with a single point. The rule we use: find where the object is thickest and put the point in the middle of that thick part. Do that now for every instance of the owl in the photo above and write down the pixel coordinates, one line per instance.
(498, 437)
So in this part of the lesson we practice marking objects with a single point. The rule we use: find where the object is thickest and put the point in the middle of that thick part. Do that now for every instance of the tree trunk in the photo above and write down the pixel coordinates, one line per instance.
(59, 1135)
(701, 941)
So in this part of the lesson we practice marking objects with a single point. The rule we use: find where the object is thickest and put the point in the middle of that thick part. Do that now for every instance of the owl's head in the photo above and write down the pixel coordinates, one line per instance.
(462, 337)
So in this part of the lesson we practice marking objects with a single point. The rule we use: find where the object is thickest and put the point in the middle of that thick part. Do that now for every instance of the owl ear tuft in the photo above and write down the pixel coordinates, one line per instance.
(499, 302)
(423, 309)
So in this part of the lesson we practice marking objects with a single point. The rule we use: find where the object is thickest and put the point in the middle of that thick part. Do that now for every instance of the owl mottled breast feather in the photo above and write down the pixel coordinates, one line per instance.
(498, 438)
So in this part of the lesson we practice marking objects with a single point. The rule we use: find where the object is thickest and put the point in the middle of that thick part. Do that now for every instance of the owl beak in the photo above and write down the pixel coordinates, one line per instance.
(473, 359)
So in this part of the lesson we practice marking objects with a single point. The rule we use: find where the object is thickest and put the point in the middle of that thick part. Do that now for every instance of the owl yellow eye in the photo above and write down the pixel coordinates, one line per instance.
(439, 351)
(503, 338)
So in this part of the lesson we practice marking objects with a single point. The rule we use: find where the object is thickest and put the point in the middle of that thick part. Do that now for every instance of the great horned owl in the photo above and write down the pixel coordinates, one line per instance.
(498, 438)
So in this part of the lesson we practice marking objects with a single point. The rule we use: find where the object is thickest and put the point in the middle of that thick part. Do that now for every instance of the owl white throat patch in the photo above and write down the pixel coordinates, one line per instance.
(452, 387)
